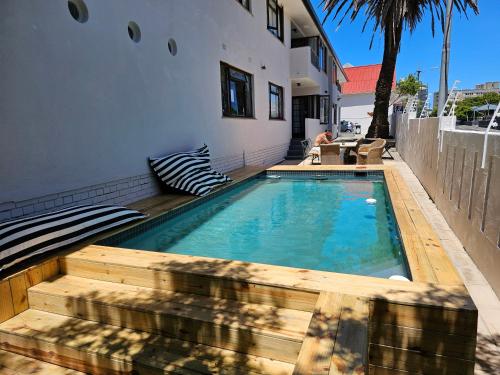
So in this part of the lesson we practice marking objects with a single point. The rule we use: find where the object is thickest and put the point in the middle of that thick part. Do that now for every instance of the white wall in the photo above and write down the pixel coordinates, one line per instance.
(313, 128)
(82, 104)
(355, 108)
(466, 193)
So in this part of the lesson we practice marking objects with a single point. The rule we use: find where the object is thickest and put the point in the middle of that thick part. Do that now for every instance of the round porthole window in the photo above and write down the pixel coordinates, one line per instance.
(172, 47)
(78, 10)
(134, 32)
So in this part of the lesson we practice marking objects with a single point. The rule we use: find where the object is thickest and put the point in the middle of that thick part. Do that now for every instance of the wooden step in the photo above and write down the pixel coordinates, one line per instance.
(250, 328)
(96, 348)
(337, 339)
(189, 274)
(15, 364)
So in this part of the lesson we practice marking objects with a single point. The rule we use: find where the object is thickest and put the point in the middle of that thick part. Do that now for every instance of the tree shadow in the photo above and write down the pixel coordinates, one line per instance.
(434, 331)
(203, 317)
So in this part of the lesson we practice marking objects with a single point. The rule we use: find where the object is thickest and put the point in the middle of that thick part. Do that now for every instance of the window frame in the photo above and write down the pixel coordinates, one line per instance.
(281, 107)
(326, 110)
(225, 78)
(279, 30)
(248, 6)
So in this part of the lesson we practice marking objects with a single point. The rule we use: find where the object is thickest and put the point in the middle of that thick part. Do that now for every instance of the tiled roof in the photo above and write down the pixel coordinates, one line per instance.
(363, 79)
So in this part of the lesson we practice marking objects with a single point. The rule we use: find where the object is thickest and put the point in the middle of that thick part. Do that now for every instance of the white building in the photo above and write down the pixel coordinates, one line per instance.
(358, 94)
(91, 89)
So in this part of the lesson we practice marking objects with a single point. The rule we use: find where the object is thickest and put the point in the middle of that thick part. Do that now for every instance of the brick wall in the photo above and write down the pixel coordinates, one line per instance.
(131, 189)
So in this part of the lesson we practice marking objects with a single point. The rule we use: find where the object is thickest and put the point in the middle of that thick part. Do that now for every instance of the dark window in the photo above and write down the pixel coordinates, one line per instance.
(275, 101)
(324, 109)
(275, 18)
(322, 55)
(237, 92)
(245, 3)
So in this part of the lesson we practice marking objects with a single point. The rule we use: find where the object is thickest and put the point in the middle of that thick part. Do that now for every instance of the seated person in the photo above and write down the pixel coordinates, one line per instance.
(321, 139)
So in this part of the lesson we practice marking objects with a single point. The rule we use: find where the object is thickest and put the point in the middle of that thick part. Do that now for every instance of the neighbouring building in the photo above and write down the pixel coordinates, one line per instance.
(91, 89)
(358, 94)
(478, 90)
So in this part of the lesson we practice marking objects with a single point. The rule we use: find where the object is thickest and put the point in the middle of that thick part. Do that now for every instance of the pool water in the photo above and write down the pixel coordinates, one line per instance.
(297, 222)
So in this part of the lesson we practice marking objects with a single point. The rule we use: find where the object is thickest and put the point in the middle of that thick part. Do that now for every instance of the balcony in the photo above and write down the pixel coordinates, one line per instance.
(304, 70)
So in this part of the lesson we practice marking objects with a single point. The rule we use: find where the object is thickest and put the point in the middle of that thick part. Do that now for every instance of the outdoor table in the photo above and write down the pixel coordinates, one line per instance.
(346, 146)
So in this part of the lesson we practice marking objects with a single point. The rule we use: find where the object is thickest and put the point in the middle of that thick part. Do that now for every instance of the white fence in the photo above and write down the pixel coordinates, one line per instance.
(467, 195)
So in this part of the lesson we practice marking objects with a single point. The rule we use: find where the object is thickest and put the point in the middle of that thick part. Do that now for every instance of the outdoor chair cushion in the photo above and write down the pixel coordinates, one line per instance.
(188, 171)
(24, 238)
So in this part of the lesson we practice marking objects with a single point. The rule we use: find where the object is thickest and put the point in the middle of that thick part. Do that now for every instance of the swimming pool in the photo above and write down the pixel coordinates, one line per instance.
(303, 220)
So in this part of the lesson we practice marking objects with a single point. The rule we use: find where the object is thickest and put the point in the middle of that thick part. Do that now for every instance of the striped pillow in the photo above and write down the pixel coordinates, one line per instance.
(188, 171)
(24, 238)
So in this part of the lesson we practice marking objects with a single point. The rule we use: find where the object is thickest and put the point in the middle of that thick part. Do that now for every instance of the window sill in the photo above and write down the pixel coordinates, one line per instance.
(277, 119)
(238, 117)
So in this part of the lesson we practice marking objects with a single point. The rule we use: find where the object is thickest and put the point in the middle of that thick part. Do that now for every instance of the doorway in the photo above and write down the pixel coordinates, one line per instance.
(299, 113)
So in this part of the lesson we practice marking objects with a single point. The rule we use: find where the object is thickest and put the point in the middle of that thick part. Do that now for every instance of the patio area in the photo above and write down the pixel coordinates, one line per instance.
(343, 323)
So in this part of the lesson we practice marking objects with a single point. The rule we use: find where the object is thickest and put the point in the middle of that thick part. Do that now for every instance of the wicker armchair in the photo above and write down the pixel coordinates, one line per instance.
(330, 154)
(372, 153)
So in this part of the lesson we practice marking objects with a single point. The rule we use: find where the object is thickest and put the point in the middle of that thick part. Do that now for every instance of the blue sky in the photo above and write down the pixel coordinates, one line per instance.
(475, 46)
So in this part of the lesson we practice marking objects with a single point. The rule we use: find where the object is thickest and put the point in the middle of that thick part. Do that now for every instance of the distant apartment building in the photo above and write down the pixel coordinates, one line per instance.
(358, 94)
(91, 89)
(480, 89)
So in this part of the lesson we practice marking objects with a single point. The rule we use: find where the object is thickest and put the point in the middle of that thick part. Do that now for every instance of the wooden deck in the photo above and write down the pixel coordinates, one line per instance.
(103, 310)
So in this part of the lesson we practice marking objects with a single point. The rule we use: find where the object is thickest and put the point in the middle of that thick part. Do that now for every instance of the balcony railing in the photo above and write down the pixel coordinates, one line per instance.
(309, 42)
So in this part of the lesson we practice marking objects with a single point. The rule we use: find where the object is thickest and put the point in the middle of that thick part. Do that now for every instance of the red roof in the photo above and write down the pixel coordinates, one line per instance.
(363, 79)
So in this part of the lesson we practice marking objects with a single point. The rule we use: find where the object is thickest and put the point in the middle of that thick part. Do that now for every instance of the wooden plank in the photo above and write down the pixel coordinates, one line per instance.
(428, 318)
(420, 266)
(453, 345)
(11, 363)
(317, 348)
(260, 330)
(350, 354)
(19, 293)
(264, 317)
(428, 363)
(34, 276)
(102, 349)
(50, 268)
(443, 269)
(309, 168)
(378, 370)
(184, 282)
(161, 270)
(6, 303)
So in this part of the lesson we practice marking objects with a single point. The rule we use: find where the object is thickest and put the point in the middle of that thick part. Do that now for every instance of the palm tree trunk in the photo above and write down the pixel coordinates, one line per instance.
(379, 128)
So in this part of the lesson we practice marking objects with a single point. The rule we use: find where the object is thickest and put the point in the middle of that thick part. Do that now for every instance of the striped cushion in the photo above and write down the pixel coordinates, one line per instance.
(188, 171)
(24, 238)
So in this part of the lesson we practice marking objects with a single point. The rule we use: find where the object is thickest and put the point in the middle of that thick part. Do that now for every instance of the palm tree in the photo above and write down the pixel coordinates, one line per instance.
(390, 17)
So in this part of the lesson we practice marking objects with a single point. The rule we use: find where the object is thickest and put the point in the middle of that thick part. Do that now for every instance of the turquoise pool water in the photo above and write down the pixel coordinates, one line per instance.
(297, 222)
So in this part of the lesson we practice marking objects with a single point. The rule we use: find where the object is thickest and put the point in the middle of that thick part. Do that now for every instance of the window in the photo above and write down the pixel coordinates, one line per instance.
(322, 55)
(245, 4)
(237, 92)
(275, 102)
(78, 10)
(275, 18)
(324, 109)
